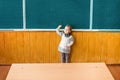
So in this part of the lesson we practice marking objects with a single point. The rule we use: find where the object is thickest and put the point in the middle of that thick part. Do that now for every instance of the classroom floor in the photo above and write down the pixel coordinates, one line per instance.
(115, 70)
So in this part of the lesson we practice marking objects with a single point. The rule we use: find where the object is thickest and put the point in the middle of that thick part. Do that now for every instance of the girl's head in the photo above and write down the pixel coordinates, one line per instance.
(68, 29)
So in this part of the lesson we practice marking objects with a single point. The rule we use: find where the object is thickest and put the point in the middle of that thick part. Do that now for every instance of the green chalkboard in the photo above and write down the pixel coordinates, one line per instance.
(48, 14)
(11, 14)
(106, 14)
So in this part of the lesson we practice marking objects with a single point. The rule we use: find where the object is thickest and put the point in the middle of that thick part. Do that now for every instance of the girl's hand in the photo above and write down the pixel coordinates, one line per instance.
(59, 26)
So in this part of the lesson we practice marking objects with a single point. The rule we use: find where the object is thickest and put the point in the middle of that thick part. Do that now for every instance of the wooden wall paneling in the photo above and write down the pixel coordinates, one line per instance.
(27, 55)
(54, 53)
(20, 47)
(2, 47)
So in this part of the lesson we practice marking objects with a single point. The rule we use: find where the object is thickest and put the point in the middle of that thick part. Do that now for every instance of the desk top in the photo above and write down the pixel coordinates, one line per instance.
(60, 71)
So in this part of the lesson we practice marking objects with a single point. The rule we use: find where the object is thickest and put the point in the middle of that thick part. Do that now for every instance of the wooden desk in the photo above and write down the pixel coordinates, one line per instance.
(59, 71)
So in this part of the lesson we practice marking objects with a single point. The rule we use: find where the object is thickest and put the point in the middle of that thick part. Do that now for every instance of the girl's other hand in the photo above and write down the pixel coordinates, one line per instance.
(67, 46)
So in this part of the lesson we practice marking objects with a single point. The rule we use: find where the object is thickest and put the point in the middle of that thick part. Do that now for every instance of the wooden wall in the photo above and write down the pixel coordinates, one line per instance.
(41, 47)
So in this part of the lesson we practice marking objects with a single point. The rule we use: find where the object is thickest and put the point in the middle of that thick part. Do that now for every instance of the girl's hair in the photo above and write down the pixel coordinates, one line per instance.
(69, 26)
